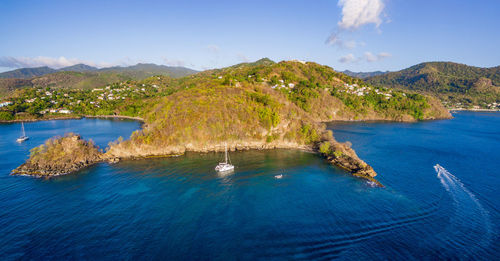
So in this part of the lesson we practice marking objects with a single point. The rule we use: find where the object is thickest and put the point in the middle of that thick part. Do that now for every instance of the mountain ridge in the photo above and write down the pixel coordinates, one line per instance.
(455, 84)
(26, 73)
(84, 76)
(363, 75)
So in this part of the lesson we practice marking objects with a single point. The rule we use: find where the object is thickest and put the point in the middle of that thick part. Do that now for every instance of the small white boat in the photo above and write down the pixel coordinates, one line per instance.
(23, 137)
(278, 176)
(225, 166)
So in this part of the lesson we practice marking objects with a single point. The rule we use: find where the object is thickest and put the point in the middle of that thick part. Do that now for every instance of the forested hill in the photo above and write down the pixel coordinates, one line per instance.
(25, 73)
(82, 76)
(363, 75)
(318, 90)
(248, 106)
(458, 85)
(140, 70)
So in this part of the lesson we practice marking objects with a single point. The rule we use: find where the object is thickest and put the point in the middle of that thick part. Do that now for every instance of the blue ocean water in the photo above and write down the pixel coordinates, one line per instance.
(179, 208)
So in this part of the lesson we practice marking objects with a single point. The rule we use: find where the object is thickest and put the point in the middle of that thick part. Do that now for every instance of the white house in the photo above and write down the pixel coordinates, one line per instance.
(65, 111)
(6, 103)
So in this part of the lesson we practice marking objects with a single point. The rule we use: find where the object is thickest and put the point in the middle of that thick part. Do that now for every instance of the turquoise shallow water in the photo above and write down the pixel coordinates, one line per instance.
(179, 208)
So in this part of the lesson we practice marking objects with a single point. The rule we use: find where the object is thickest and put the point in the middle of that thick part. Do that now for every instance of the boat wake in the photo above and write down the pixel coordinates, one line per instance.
(471, 225)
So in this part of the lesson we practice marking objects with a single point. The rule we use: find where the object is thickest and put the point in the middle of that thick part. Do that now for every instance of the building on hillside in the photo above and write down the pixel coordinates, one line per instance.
(5, 103)
(65, 111)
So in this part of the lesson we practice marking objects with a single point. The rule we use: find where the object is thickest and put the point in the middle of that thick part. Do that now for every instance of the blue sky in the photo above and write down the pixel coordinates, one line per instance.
(359, 35)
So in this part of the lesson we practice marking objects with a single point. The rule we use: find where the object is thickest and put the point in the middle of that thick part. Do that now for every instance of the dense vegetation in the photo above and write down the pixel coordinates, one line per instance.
(60, 155)
(363, 75)
(124, 98)
(25, 73)
(457, 85)
(316, 90)
(263, 103)
(248, 106)
(82, 76)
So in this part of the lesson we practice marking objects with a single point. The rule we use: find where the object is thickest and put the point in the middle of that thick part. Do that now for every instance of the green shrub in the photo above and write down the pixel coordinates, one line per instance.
(6, 116)
(324, 148)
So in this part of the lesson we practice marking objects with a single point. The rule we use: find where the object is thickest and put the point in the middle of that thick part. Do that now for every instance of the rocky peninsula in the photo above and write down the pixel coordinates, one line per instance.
(59, 156)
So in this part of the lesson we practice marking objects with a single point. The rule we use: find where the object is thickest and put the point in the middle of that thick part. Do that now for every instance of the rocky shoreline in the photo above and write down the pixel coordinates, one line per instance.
(74, 117)
(60, 156)
(42, 119)
(477, 110)
(114, 117)
(69, 164)
(27, 169)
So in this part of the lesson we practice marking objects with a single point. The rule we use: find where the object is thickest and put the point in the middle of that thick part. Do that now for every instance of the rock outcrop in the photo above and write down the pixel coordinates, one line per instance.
(343, 156)
(59, 156)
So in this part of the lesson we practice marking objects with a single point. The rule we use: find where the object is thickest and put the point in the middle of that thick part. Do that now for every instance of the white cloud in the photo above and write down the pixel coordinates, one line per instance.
(213, 48)
(334, 39)
(56, 63)
(356, 13)
(348, 58)
(369, 57)
(384, 55)
(350, 44)
(174, 62)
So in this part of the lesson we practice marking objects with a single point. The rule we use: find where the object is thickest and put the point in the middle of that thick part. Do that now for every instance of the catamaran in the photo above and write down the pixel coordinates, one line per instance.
(23, 137)
(225, 166)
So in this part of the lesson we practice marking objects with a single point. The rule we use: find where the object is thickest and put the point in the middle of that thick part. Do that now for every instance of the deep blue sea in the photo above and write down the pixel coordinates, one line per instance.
(181, 209)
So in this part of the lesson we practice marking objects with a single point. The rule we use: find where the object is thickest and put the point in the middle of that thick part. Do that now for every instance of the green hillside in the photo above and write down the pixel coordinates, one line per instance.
(25, 73)
(363, 75)
(457, 85)
(144, 70)
(83, 76)
(317, 90)
(257, 105)
(76, 80)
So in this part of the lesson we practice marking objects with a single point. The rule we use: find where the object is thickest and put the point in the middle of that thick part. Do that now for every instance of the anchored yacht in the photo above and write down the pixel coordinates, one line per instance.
(225, 166)
(23, 137)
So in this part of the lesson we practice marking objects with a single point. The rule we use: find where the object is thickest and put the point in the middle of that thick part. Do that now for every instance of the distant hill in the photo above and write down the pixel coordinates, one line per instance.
(144, 70)
(363, 75)
(458, 85)
(75, 80)
(25, 73)
(82, 76)
(79, 68)
(138, 71)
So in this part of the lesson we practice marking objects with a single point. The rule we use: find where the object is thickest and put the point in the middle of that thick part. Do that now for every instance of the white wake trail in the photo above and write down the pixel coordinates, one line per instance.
(470, 226)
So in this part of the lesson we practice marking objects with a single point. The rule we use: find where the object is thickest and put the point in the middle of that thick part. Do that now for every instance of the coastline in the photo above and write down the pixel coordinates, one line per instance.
(114, 116)
(349, 163)
(43, 119)
(75, 117)
(476, 110)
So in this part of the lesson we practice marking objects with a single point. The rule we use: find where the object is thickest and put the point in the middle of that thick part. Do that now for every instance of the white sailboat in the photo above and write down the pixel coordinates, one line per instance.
(225, 166)
(23, 137)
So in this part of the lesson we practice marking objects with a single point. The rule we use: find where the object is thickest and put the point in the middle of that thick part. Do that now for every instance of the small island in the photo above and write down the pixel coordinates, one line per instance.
(59, 156)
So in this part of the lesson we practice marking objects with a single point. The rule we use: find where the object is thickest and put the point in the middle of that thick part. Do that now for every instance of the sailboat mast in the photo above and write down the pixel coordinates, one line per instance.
(225, 147)
(22, 127)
